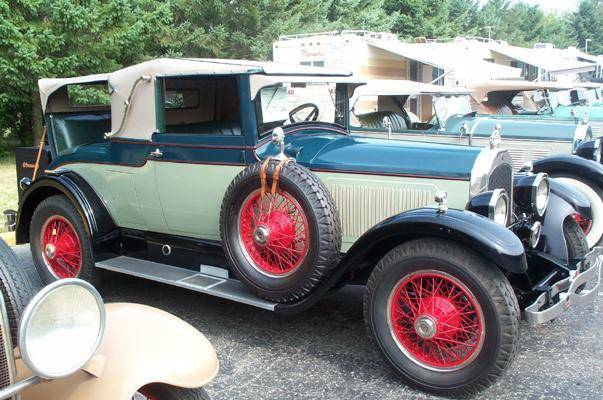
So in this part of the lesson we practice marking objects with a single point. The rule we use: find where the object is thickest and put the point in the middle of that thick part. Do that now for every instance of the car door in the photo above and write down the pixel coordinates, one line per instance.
(199, 150)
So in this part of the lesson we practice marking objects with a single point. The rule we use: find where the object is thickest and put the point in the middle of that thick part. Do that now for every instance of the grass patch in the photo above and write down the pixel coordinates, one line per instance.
(8, 187)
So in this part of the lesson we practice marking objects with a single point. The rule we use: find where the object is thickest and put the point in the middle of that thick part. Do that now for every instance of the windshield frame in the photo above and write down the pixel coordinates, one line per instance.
(437, 111)
(340, 101)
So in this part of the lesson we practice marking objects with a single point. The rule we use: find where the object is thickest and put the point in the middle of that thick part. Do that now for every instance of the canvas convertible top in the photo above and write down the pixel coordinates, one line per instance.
(481, 89)
(390, 87)
(132, 89)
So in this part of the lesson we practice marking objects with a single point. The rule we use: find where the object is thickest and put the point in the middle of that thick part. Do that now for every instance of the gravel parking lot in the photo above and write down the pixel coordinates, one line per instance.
(325, 354)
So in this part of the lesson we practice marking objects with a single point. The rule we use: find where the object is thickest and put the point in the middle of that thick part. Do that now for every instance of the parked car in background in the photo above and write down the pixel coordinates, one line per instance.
(541, 101)
(547, 145)
(240, 179)
(64, 343)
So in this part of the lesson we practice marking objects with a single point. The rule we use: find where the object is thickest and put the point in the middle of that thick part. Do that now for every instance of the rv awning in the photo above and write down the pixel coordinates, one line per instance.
(545, 59)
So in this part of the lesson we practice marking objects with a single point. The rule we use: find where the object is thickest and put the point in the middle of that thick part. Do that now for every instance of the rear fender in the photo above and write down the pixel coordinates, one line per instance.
(141, 345)
(482, 235)
(98, 221)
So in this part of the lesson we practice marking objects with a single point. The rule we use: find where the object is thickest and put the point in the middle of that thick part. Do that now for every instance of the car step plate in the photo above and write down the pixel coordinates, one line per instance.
(213, 284)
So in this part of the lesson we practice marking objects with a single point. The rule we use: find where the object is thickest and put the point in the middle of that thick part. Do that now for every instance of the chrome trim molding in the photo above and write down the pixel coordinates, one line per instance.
(569, 291)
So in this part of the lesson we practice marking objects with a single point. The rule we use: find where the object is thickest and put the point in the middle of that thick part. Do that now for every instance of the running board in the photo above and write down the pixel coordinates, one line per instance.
(211, 280)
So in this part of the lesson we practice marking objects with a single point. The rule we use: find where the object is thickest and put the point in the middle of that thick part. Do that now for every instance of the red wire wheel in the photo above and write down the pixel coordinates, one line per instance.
(273, 230)
(61, 248)
(435, 320)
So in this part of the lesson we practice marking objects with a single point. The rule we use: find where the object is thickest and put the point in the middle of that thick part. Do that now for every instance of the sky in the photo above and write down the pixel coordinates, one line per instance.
(552, 5)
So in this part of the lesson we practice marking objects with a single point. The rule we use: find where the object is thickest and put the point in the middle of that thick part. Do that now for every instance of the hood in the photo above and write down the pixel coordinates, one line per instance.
(355, 154)
(520, 128)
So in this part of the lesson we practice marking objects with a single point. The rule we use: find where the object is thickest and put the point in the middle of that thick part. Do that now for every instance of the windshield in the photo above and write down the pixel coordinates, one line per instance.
(288, 103)
(449, 106)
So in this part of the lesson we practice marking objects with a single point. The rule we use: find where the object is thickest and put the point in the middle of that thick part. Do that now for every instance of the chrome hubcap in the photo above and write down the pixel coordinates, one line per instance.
(426, 327)
(50, 251)
(261, 235)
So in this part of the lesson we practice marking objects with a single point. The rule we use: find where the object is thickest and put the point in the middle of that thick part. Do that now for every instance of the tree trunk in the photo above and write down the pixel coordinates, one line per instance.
(37, 122)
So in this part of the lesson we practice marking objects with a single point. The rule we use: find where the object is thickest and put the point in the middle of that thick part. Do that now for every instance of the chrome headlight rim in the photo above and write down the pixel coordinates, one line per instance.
(540, 179)
(32, 308)
(534, 235)
(497, 196)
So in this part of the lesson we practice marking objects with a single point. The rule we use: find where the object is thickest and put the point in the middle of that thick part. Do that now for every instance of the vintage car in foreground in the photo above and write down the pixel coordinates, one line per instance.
(240, 179)
(63, 343)
(381, 109)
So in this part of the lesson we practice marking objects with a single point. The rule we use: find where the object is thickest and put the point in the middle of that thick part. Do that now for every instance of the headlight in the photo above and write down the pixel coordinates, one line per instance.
(498, 208)
(61, 328)
(531, 193)
(541, 194)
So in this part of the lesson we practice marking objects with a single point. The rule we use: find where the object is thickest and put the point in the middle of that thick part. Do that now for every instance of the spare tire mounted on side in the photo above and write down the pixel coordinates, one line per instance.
(280, 230)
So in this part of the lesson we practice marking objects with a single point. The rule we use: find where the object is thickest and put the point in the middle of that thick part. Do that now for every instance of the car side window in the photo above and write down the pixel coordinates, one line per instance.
(201, 106)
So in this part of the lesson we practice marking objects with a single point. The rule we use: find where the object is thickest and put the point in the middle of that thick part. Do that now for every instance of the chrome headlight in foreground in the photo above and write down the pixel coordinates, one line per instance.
(61, 328)
(498, 207)
(532, 193)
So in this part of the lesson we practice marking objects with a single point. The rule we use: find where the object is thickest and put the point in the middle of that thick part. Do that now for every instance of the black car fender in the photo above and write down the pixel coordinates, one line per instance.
(96, 217)
(565, 164)
(494, 242)
(478, 233)
(563, 202)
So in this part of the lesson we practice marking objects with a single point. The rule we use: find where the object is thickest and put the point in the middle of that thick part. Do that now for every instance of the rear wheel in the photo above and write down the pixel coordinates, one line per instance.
(445, 318)
(594, 194)
(60, 245)
(157, 391)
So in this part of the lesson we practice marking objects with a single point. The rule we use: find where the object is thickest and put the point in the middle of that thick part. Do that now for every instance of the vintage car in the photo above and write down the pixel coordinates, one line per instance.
(240, 179)
(548, 101)
(446, 116)
(71, 346)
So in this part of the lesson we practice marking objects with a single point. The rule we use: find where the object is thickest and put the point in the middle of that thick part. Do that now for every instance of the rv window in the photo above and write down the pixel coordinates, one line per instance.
(88, 95)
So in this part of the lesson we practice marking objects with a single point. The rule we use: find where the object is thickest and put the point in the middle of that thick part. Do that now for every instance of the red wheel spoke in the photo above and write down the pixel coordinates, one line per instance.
(61, 248)
(436, 320)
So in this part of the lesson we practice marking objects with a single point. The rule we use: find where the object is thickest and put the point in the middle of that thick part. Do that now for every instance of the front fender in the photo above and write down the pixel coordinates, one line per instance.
(571, 165)
(482, 235)
(141, 345)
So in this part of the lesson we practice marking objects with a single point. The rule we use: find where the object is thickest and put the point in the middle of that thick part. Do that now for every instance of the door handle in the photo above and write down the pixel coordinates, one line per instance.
(156, 153)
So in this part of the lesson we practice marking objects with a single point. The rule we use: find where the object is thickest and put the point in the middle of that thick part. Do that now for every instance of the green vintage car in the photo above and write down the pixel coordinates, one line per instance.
(562, 148)
(240, 179)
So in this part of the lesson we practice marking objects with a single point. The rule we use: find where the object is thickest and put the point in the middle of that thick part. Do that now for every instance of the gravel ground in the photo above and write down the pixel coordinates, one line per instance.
(325, 354)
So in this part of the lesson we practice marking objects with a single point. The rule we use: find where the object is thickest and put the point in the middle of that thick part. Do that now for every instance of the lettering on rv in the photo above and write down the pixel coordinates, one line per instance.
(312, 54)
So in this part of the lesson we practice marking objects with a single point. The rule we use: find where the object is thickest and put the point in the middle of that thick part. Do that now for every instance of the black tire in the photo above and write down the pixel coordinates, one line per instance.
(323, 236)
(60, 206)
(158, 391)
(16, 288)
(488, 287)
(575, 240)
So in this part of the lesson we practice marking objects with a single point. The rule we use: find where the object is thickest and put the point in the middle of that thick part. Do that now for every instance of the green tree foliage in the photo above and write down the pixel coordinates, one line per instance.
(587, 23)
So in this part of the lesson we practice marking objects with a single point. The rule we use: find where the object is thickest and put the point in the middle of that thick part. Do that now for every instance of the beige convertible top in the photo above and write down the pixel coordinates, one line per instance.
(132, 89)
(394, 87)
(481, 89)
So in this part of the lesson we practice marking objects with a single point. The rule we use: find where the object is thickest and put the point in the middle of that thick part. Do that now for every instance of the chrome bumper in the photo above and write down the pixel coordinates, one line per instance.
(566, 290)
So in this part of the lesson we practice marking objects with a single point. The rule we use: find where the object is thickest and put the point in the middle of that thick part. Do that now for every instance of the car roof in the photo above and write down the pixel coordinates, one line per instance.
(481, 89)
(395, 87)
(133, 94)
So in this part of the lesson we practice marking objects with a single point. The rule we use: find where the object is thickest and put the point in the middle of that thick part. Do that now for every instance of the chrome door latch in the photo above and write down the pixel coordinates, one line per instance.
(156, 153)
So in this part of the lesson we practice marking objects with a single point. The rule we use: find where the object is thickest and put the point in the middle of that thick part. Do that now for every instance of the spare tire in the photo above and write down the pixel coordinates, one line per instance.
(16, 288)
(281, 245)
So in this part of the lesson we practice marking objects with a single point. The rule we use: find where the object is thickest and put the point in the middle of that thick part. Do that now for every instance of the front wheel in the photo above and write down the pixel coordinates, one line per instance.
(592, 229)
(445, 318)
(157, 391)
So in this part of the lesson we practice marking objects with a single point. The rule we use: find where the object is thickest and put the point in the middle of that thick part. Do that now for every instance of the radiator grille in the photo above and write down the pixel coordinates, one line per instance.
(362, 207)
(5, 375)
(501, 177)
